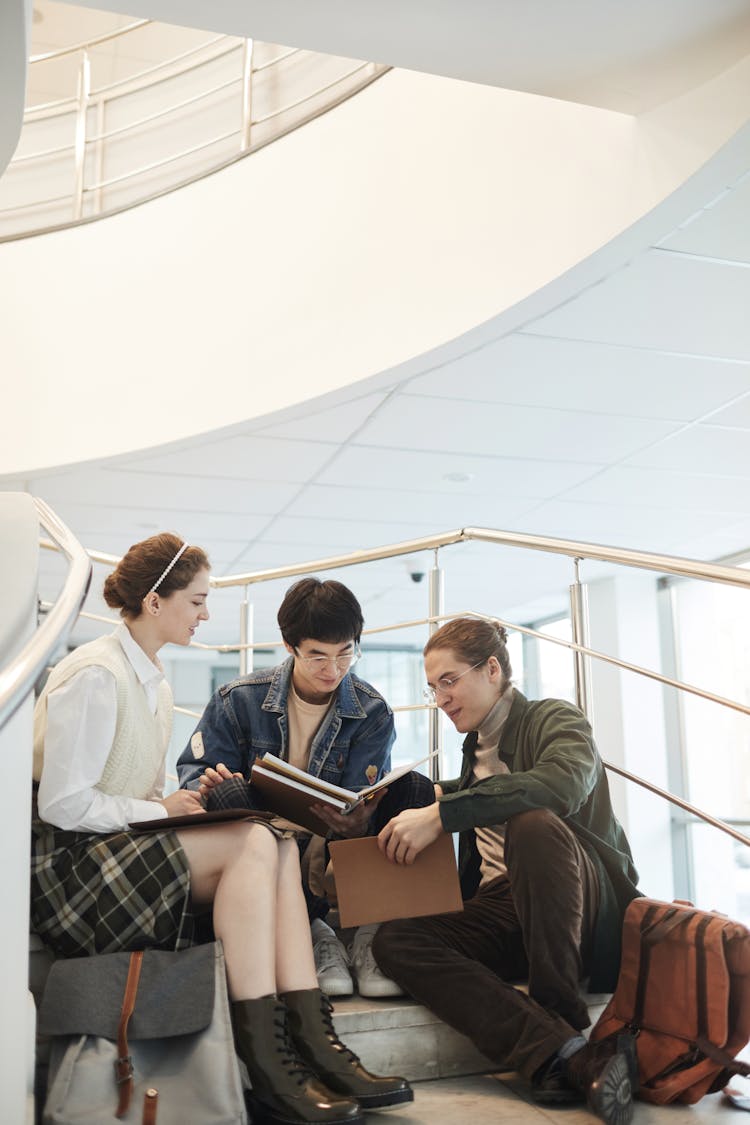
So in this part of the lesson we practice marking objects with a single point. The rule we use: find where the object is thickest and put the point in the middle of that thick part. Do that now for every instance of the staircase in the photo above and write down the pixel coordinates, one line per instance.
(399, 1036)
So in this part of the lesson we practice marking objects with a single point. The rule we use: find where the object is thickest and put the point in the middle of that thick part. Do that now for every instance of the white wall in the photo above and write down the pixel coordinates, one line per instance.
(389, 227)
(15, 28)
(19, 531)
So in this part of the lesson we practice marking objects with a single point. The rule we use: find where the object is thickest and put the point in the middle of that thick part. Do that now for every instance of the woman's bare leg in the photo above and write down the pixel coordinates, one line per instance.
(295, 964)
(235, 867)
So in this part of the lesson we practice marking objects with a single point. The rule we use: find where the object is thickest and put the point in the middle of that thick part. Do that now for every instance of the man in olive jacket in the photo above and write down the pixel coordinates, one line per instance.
(546, 872)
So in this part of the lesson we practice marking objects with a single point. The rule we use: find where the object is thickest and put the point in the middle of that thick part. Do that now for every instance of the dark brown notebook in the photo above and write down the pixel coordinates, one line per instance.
(292, 800)
(197, 820)
(291, 792)
(371, 888)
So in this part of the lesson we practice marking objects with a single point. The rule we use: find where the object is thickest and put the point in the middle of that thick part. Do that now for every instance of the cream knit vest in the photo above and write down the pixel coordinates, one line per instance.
(141, 738)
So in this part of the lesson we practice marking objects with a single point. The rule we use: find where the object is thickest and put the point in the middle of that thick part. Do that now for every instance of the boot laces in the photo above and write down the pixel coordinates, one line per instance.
(292, 1061)
(326, 1008)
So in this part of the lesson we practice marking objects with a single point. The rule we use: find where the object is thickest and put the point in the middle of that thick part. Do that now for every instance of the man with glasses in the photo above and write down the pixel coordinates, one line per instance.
(314, 713)
(546, 874)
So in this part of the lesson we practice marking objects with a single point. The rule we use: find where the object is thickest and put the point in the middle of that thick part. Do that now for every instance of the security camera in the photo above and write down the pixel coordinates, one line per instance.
(416, 575)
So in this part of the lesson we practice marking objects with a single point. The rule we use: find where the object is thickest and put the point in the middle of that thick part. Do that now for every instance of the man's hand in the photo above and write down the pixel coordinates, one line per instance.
(210, 778)
(183, 802)
(353, 824)
(409, 833)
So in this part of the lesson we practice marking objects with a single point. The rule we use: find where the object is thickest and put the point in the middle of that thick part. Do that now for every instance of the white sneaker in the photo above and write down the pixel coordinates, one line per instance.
(331, 962)
(370, 981)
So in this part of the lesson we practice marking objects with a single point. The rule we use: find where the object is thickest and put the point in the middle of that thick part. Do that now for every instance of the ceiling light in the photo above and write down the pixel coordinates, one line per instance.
(459, 478)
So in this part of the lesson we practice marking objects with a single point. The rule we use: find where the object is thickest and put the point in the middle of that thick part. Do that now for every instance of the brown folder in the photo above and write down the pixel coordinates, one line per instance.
(372, 888)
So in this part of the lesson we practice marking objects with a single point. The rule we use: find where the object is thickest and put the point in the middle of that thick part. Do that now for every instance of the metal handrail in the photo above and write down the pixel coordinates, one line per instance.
(626, 666)
(223, 137)
(678, 801)
(18, 679)
(163, 162)
(42, 108)
(663, 564)
(88, 98)
(525, 630)
(104, 38)
(133, 80)
(277, 59)
(163, 112)
(643, 560)
(38, 203)
(309, 97)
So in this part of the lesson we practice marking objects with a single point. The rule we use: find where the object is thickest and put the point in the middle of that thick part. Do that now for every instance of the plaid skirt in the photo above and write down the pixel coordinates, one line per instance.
(94, 893)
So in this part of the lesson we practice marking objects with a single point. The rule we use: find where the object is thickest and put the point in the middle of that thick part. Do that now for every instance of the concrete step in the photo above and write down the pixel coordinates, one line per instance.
(399, 1036)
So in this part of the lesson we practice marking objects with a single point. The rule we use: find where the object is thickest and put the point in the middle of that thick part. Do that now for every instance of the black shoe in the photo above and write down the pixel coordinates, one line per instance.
(606, 1072)
(550, 1085)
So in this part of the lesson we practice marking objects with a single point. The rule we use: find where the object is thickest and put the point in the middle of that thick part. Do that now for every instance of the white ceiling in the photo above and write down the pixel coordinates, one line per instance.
(623, 56)
(622, 417)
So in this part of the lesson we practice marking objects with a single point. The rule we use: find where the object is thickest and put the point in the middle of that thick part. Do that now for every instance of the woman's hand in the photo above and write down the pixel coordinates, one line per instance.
(210, 778)
(182, 803)
(409, 833)
(353, 824)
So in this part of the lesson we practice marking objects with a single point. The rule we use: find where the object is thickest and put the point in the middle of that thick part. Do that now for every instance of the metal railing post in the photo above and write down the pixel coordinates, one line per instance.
(436, 596)
(99, 155)
(247, 94)
(579, 620)
(84, 91)
(246, 635)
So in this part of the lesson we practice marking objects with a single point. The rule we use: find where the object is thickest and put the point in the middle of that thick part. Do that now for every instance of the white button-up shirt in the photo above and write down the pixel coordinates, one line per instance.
(81, 722)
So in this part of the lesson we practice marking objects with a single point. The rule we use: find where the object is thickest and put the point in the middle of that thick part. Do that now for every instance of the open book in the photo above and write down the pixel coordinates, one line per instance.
(291, 792)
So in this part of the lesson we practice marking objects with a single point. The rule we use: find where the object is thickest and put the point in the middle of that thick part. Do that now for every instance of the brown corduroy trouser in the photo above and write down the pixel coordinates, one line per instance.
(534, 924)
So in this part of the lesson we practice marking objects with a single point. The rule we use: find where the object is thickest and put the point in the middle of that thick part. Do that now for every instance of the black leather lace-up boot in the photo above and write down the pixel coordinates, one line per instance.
(285, 1090)
(313, 1035)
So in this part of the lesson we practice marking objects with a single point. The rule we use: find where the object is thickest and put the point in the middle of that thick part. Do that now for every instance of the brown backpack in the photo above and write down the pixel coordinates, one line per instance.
(684, 992)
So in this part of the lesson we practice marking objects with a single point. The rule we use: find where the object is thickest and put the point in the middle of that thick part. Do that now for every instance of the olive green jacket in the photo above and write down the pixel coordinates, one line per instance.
(549, 748)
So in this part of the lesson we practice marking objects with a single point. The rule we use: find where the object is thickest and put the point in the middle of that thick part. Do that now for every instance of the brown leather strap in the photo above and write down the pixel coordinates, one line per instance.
(730, 1064)
(123, 1062)
(644, 961)
(150, 1105)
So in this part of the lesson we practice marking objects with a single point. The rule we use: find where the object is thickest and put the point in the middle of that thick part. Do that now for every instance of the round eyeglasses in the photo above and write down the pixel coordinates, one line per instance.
(318, 662)
(444, 685)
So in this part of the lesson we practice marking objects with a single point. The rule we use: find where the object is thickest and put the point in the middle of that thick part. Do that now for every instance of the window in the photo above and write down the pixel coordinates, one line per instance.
(549, 667)
(712, 650)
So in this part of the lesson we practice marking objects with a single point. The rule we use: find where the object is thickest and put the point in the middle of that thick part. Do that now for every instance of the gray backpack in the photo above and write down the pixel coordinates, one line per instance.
(175, 1061)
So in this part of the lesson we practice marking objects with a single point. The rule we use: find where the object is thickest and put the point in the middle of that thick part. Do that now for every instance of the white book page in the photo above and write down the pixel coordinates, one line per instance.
(279, 768)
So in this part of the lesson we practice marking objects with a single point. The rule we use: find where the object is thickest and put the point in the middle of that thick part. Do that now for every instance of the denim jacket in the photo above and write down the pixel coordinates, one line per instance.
(248, 717)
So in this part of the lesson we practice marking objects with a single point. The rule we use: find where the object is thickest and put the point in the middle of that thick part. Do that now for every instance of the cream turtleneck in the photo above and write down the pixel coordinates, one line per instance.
(491, 840)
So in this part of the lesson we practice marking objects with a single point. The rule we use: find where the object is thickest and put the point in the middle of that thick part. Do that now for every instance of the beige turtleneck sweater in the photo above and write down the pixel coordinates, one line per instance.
(491, 841)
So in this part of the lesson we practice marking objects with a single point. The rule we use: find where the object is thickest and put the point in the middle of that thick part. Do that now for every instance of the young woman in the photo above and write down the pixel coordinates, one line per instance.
(102, 726)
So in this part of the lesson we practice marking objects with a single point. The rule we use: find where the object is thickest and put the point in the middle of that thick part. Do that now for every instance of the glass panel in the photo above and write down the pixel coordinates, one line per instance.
(398, 674)
(713, 651)
(555, 663)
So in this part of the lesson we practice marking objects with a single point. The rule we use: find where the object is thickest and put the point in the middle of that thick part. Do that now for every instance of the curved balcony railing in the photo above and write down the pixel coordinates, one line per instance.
(579, 647)
(106, 147)
(19, 677)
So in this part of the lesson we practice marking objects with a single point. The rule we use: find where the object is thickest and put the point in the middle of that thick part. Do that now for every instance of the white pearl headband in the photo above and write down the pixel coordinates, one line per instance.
(164, 573)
